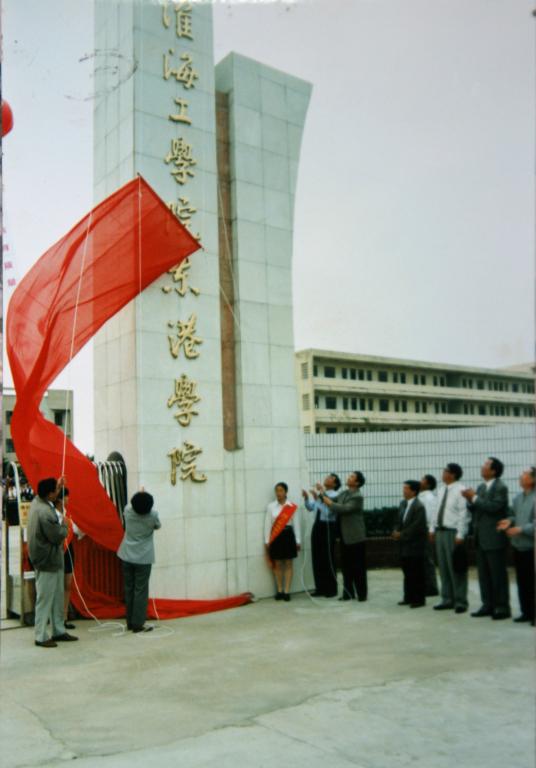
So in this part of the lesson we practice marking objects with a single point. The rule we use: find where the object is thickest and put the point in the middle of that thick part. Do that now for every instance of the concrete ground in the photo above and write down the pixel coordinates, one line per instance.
(306, 683)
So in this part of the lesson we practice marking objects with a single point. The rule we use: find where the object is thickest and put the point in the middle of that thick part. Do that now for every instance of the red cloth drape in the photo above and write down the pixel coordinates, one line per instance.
(113, 253)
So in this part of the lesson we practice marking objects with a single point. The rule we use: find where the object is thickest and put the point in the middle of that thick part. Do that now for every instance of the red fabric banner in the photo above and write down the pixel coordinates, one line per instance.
(109, 257)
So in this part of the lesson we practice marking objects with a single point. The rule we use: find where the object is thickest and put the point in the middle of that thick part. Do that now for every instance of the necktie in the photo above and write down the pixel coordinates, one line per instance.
(441, 513)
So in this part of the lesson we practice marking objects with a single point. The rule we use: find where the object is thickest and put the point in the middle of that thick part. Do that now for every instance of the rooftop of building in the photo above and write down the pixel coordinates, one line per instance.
(523, 371)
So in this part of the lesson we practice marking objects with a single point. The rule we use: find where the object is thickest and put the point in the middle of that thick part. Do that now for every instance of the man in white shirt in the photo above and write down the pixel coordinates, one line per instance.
(448, 529)
(428, 497)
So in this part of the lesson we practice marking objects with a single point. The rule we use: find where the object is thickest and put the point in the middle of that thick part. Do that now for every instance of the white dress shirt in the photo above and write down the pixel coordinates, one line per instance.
(272, 511)
(409, 502)
(429, 501)
(456, 515)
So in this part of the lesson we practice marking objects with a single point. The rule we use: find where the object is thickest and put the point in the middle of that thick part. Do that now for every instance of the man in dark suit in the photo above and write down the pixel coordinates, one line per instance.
(412, 533)
(489, 504)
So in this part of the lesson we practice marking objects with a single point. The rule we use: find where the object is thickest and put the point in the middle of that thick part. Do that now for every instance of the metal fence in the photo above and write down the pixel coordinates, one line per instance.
(388, 458)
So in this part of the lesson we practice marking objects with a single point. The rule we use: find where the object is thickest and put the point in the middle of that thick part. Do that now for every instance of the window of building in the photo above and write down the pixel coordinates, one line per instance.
(395, 377)
(417, 407)
(306, 403)
(470, 383)
(404, 405)
(10, 448)
(444, 408)
(371, 405)
(397, 406)
(59, 418)
(436, 407)
(345, 403)
(9, 414)
(353, 403)
(361, 374)
(434, 381)
(317, 430)
(402, 378)
(317, 401)
(465, 409)
(344, 372)
(331, 430)
(329, 372)
(501, 386)
(530, 387)
(492, 410)
(495, 385)
(480, 384)
(472, 409)
(363, 404)
(369, 375)
(346, 430)
(424, 407)
(384, 405)
(442, 381)
(355, 429)
(415, 378)
(307, 430)
(490, 385)
(305, 370)
(315, 370)
(516, 410)
(423, 378)
(382, 376)
(353, 374)
(331, 403)
(481, 410)
(515, 388)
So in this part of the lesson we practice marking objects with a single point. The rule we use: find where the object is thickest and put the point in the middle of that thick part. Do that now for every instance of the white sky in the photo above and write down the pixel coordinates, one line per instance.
(414, 225)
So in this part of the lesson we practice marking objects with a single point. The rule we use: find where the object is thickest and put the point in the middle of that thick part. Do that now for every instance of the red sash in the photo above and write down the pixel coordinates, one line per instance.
(282, 520)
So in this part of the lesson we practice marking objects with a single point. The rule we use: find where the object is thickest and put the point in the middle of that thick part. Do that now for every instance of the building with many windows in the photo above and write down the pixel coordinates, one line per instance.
(350, 393)
(56, 406)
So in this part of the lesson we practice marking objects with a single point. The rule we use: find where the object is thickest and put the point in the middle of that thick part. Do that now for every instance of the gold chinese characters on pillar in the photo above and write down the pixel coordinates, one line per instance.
(179, 67)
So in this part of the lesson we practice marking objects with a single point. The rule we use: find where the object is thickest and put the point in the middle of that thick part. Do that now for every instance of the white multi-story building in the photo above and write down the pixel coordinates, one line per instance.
(352, 393)
(56, 406)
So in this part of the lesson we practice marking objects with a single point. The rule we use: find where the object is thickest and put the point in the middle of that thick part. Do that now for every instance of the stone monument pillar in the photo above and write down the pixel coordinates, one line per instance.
(194, 381)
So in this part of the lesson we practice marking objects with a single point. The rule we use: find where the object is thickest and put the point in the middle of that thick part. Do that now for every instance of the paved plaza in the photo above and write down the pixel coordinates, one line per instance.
(310, 683)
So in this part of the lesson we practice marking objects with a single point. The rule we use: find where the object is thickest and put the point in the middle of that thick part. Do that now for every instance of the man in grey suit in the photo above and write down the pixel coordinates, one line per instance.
(412, 533)
(348, 506)
(46, 533)
(488, 505)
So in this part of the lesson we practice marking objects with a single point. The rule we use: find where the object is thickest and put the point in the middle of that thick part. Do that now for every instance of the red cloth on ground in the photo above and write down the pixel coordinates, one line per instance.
(119, 248)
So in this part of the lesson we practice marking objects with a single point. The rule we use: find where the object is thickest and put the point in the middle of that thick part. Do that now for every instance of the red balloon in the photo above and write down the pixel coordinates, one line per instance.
(7, 118)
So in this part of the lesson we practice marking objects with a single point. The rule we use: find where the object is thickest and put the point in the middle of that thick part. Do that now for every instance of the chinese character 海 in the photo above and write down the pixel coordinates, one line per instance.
(184, 397)
(184, 74)
(185, 338)
(183, 460)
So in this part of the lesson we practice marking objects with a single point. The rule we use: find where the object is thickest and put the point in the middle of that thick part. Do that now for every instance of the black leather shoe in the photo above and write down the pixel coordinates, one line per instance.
(499, 615)
(68, 625)
(278, 596)
(65, 638)
(417, 605)
(142, 629)
(46, 643)
(286, 597)
(331, 594)
(521, 619)
(481, 612)
(345, 597)
(460, 609)
(443, 607)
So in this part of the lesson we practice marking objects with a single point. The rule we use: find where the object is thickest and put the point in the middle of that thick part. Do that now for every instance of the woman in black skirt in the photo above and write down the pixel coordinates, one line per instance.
(285, 547)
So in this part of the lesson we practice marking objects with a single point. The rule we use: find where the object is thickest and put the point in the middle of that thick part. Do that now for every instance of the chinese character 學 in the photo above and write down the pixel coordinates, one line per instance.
(181, 156)
(180, 276)
(184, 74)
(183, 461)
(181, 116)
(185, 397)
(185, 338)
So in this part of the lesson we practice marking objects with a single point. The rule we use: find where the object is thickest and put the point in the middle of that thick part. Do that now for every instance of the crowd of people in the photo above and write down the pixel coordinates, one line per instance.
(432, 527)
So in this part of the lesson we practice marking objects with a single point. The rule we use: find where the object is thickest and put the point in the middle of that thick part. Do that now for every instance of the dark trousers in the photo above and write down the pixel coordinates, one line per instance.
(323, 554)
(136, 578)
(493, 579)
(413, 568)
(524, 564)
(354, 570)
